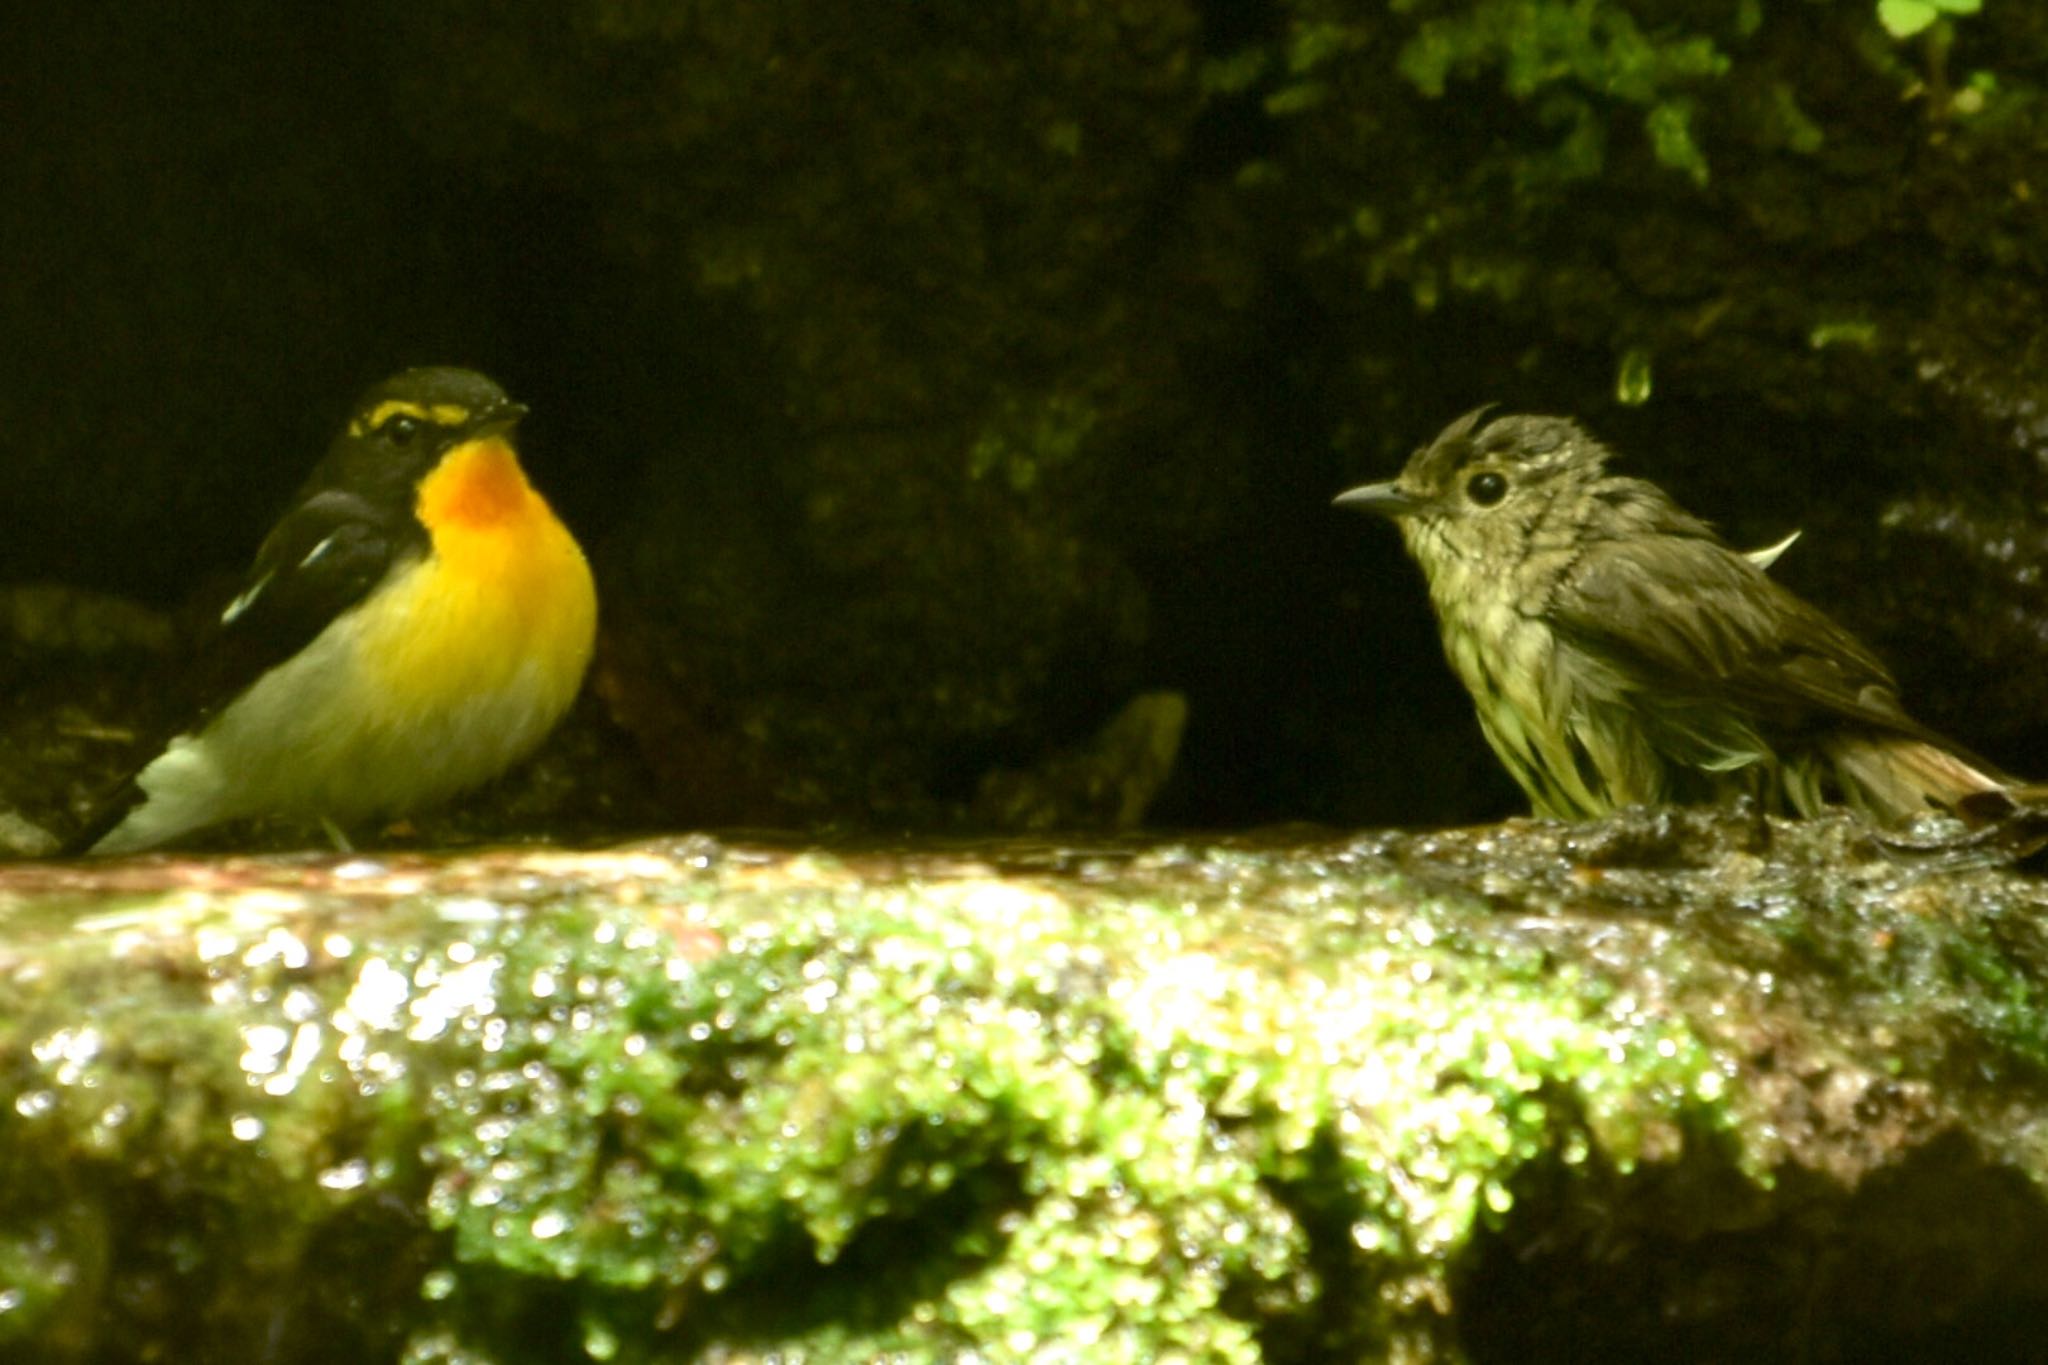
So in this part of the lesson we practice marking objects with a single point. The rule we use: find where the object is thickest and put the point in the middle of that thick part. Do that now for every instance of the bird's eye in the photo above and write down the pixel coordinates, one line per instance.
(400, 429)
(1486, 489)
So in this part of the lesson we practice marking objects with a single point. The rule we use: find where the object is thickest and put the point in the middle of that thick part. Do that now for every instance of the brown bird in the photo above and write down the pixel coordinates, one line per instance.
(1620, 652)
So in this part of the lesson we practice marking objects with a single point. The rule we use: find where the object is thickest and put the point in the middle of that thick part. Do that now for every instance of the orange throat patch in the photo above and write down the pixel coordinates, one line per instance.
(503, 601)
(478, 483)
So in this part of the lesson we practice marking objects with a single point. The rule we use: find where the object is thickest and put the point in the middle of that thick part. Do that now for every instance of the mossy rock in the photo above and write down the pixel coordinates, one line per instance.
(1648, 1087)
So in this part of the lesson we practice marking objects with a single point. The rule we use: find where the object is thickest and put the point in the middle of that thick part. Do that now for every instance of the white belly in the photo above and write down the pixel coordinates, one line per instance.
(324, 736)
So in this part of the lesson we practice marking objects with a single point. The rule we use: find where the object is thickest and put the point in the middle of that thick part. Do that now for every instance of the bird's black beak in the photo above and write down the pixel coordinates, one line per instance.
(500, 418)
(1385, 499)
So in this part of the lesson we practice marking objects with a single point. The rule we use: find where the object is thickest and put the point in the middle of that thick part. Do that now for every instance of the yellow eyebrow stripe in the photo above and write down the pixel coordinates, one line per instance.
(440, 414)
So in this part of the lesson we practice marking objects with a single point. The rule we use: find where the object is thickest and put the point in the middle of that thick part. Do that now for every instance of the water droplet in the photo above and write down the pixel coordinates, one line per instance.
(600, 1342)
(262, 1045)
(1632, 377)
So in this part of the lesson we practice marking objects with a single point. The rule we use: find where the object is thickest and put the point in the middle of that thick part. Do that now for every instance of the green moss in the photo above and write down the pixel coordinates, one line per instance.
(1537, 43)
(1843, 332)
(1173, 1102)
(1022, 443)
(1574, 55)
(1589, 83)
(1790, 125)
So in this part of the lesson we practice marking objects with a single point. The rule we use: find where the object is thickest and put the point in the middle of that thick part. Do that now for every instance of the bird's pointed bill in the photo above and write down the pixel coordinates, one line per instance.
(1382, 499)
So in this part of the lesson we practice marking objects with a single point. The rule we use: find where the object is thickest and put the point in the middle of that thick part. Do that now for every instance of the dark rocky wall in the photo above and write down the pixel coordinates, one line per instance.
(931, 380)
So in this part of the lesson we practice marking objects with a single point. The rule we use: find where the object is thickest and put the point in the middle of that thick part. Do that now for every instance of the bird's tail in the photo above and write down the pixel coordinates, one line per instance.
(179, 791)
(1896, 777)
(109, 813)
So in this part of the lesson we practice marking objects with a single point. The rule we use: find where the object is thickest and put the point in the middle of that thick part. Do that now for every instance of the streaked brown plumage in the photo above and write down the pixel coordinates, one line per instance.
(1620, 652)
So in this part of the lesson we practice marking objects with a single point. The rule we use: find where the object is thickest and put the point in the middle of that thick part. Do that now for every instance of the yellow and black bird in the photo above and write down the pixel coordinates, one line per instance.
(416, 624)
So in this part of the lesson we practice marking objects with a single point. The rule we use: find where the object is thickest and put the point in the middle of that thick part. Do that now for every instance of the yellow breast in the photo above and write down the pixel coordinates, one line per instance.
(503, 603)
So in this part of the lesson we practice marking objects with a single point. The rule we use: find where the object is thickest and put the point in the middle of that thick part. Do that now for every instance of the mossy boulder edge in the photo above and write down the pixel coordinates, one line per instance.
(1519, 1092)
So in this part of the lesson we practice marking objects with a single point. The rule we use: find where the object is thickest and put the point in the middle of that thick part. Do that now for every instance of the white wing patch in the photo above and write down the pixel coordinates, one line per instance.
(248, 597)
(314, 555)
(255, 590)
(1768, 555)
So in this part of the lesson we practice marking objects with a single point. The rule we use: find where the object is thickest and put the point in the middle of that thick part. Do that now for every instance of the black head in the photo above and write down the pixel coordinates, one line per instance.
(434, 404)
(400, 428)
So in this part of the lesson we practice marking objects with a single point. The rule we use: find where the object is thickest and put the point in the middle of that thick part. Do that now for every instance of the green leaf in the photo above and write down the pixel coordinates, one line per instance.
(1670, 128)
(1904, 18)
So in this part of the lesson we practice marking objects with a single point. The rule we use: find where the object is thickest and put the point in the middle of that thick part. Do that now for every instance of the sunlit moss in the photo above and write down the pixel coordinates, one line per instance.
(1176, 1103)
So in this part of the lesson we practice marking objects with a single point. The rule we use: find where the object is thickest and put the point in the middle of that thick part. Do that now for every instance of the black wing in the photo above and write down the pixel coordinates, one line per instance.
(325, 556)
(322, 559)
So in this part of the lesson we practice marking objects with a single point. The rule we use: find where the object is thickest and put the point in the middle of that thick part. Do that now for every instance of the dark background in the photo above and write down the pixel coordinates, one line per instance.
(929, 381)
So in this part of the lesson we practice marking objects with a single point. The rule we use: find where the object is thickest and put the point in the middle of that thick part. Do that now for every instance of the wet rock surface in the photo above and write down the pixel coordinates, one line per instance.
(1689, 1086)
